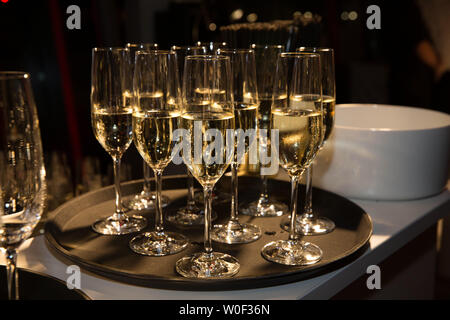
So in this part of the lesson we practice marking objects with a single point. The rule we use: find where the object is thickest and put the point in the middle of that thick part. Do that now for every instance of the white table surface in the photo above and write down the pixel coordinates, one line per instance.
(395, 223)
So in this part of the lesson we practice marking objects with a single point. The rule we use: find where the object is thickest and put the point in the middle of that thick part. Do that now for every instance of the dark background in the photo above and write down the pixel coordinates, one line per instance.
(376, 66)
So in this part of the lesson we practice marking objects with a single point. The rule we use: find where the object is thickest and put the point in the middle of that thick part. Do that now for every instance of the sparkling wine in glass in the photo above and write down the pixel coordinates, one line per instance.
(297, 115)
(266, 59)
(245, 114)
(218, 196)
(190, 214)
(146, 198)
(23, 188)
(309, 223)
(206, 116)
(111, 117)
(155, 119)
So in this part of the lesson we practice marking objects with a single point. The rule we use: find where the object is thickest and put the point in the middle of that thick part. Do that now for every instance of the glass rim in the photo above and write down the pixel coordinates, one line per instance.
(186, 47)
(154, 52)
(136, 44)
(109, 49)
(278, 46)
(211, 42)
(14, 75)
(235, 50)
(207, 57)
(314, 49)
(298, 54)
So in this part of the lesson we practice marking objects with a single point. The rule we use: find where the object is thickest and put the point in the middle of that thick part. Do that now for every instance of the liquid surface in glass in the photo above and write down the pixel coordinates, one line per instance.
(300, 135)
(113, 130)
(214, 161)
(153, 136)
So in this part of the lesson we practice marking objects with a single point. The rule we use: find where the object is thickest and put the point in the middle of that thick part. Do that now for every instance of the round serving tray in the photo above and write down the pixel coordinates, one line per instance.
(37, 286)
(69, 234)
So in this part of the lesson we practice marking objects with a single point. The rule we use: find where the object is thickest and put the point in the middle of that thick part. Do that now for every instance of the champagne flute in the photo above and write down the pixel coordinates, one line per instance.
(111, 116)
(206, 116)
(309, 223)
(145, 199)
(23, 188)
(218, 196)
(190, 214)
(155, 118)
(245, 114)
(266, 60)
(297, 115)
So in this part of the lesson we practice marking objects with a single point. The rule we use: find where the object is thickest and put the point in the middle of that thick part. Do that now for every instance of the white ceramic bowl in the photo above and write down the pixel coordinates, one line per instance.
(383, 152)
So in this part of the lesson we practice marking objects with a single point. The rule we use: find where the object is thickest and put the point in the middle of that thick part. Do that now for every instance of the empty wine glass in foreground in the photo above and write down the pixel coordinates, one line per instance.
(155, 119)
(266, 60)
(22, 174)
(309, 223)
(246, 116)
(297, 115)
(206, 116)
(111, 116)
(145, 199)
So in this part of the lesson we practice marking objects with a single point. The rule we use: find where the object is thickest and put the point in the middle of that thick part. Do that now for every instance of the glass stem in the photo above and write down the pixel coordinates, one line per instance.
(264, 195)
(11, 274)
(208, 192)
(294, 194)
(307, 209)
(191, 190)
(147, 188)
(159, 218)
(119, 213)
(234, 191)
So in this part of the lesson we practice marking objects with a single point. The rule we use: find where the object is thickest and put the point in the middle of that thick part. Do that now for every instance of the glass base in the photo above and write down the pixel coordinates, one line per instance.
(270, 209)
(189, 217)
(128, 224)
(144, 201)
(309, 227)
(234, 233)
(204, 265)
(157, 244)
(292, 252)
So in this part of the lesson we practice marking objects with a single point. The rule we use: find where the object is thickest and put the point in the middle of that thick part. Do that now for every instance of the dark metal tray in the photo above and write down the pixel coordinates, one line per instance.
(69, 234)
(37, 286)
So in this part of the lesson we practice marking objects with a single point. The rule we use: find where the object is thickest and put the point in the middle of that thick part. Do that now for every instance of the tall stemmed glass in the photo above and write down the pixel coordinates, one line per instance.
(218, 196)
(111, 116)
(309, 223)
(266, 60)
(206, 117)
(297, 115)
(190, 214)
(146, 198)
(155, 118)
(246, 116)
(23, 188)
